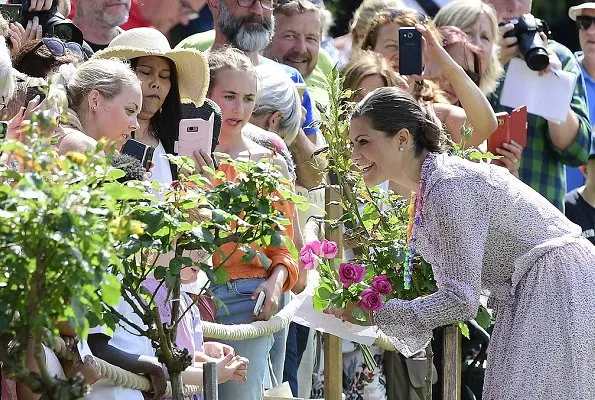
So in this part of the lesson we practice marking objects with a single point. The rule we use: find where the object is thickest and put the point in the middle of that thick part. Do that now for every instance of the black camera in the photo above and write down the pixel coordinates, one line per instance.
(534, 50)
(52, 22)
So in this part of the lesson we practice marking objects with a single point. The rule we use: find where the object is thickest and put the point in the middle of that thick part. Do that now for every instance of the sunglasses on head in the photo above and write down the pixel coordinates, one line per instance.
(59, 48)
(584, 22)
(397, 12)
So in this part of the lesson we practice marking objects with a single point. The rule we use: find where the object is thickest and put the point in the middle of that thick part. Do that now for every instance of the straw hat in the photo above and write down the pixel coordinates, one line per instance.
(192, 65)
(577, 11)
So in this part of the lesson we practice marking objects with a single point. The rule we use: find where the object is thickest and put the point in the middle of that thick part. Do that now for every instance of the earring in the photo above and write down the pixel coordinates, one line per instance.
(401, 149)
(94, 108)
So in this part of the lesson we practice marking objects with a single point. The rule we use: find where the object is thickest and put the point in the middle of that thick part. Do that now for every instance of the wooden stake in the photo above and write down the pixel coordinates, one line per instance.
(451, 367)
(333, 345)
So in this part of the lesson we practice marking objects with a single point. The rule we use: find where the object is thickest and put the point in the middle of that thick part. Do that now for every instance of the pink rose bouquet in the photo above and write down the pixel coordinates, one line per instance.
(342, 283)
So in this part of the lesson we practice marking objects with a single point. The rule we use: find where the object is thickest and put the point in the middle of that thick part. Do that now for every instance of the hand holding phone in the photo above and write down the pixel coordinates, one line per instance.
(511, 126)
(259, 304)
(140, 151)
(194, 134)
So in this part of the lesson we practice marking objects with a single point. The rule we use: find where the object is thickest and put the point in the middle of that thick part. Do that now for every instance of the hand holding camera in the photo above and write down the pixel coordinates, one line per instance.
(526, 37)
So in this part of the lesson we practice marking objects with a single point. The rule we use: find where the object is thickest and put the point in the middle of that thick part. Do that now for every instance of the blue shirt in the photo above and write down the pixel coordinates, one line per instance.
(589, 85)
(308, 127)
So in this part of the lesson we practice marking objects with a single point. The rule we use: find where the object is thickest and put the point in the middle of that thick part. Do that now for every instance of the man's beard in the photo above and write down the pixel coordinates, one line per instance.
(246, 38)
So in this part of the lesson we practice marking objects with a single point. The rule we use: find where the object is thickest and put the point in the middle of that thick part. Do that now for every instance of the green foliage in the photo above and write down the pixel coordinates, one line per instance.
(74, 242)
(59, 230)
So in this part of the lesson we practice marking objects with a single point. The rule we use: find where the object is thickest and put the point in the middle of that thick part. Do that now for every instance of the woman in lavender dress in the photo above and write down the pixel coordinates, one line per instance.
(481, 228)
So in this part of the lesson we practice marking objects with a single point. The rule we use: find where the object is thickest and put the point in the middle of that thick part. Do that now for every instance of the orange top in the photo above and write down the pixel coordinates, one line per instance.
(277, 255)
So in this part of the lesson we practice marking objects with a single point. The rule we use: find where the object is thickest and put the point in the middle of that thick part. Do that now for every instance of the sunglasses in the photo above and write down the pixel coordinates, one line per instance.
(397, 12)
(265, 4)
(59, 48)
(584, 22)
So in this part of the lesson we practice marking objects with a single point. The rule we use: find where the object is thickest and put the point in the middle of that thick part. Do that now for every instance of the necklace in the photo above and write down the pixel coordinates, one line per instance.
(414, 211)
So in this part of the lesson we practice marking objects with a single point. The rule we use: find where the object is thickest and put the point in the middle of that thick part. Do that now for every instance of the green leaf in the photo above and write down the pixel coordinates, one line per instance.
(160, 273)
(264, 260)
(277, 240)
(118, 191)
(319, 304)
(154, 220)
(115, 174)
(483, 317)
(464, 329)
(291, 247)
(175, 266)
(221, 276)
(110, 290)
(249, 256)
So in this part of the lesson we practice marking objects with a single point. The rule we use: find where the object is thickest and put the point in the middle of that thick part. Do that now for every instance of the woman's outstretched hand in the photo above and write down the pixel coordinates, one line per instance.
(347, 315)
(437, 62)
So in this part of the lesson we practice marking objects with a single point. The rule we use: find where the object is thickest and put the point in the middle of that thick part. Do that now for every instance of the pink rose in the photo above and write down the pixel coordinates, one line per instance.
(313, 246)
(370, 300)
(382, 285)
(328, 249)
(308, 259)
(351, 273)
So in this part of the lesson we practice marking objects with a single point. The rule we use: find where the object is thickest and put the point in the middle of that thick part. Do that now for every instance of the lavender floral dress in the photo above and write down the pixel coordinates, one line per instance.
(483, 229)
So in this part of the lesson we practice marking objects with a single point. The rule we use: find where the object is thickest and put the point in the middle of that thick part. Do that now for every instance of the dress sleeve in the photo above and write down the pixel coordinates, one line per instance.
(455, 222)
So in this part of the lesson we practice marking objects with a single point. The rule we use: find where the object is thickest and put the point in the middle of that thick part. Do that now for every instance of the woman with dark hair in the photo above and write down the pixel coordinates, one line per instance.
(482, 229)
(168, 77)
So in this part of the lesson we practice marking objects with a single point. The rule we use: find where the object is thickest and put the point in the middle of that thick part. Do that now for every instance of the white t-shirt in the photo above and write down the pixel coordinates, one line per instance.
(161, 171)
(125, 341)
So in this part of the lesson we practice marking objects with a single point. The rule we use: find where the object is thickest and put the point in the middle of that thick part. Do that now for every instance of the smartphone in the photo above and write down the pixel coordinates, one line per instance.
(511, 126)
(3, 129)
(410, 57)
(140, 151)
(195, 134)
(11, 12)
(259, 304)
(33, 91)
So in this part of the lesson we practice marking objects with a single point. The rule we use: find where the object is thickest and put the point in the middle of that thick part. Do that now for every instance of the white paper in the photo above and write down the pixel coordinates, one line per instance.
(326, 323)
(548, 96)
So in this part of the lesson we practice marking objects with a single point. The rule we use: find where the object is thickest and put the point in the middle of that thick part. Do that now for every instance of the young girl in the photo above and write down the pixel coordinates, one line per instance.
(233, 86)
(134, 353)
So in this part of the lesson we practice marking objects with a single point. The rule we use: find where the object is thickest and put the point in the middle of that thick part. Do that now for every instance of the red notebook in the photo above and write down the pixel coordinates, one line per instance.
(511, 126)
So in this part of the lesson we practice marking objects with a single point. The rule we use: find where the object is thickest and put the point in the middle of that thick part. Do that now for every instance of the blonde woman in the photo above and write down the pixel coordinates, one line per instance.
(104, 99)
(478, 20)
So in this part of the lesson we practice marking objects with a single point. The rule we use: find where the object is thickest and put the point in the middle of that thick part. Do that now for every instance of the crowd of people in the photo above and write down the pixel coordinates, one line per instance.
(262, 72)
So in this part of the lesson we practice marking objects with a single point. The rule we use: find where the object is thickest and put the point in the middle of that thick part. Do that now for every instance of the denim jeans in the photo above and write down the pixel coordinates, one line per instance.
(236, 294)
(296, 345)
(277, 353)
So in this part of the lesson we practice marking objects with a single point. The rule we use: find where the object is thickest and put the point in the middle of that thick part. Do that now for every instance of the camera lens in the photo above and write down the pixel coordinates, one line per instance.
(409, 35)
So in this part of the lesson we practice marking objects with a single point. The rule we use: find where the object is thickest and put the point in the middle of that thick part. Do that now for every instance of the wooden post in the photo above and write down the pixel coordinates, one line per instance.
(451, 368)
(333, 345)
